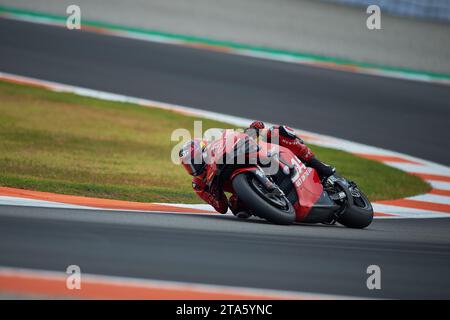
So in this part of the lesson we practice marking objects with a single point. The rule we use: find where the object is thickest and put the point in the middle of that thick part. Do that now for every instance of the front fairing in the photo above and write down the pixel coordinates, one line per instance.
(306, 182)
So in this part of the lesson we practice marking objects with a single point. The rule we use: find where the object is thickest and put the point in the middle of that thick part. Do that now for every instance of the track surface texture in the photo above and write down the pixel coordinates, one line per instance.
(413, 254)
(405, 116)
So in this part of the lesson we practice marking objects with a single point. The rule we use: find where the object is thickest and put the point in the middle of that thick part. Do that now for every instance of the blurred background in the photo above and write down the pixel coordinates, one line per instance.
(429, 9)
(415, 33)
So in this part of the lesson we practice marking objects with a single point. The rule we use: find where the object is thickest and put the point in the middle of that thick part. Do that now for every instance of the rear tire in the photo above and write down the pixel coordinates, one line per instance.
(258, 206)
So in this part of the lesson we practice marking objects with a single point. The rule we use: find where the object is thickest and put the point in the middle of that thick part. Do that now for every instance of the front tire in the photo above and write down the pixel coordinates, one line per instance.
(357, 215)
(278, 211)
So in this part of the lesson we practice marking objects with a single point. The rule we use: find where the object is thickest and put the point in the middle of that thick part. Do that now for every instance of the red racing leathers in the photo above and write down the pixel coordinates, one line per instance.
(286, 138)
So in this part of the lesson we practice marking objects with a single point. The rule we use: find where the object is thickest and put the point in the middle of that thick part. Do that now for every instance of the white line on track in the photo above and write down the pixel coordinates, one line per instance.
(409, 167)
(432, 198)
(15, 201)
(439, 185)
(403, 212)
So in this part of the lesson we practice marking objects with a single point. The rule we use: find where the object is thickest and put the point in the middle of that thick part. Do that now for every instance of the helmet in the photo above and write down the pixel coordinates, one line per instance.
(254, 128)
(258, 125)
(191, 156)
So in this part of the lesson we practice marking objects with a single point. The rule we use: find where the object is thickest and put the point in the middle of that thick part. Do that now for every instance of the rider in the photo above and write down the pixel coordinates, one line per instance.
(193, 150)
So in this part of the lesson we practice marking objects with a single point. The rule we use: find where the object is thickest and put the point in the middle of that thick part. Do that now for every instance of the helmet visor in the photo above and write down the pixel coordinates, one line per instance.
(197, 169)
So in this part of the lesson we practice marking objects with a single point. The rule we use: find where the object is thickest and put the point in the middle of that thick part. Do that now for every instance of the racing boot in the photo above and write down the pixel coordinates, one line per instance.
(323, 170)
(242, 215)
(238, 208)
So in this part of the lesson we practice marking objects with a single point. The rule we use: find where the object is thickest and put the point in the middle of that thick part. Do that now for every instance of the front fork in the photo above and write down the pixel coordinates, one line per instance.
(267, 183)
(262, 178)
(339, 196)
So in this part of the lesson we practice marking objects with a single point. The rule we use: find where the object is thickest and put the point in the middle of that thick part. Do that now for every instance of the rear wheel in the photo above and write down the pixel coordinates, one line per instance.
(272, 206)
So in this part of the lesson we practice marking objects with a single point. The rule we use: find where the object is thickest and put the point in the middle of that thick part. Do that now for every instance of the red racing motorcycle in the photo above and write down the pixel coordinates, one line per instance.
(275, 185)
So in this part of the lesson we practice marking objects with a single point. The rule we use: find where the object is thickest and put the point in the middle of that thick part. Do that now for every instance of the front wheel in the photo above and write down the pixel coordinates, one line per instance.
(359, 212)
(261, 202)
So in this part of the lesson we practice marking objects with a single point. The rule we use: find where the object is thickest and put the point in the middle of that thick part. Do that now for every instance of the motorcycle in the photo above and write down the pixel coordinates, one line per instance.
(276, 186)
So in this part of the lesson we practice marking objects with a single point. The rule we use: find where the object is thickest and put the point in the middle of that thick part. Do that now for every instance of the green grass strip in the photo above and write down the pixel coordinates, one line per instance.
(70, 144)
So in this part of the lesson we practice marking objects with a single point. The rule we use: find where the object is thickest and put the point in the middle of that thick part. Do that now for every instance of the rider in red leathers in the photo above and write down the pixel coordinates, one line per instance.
(215, 195)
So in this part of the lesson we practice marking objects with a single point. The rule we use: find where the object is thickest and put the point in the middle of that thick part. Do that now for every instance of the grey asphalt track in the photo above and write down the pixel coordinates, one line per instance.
(406, 116)
(222, 250)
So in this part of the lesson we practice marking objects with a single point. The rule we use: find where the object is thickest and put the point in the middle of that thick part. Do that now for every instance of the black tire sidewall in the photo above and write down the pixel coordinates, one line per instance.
(357, 217)
(258, 206)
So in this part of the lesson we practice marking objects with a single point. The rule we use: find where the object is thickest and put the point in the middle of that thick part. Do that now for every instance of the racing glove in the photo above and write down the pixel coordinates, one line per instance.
(213, 196)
